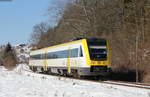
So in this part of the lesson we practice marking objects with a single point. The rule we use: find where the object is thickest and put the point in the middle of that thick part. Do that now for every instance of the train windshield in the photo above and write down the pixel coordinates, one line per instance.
(97, 49)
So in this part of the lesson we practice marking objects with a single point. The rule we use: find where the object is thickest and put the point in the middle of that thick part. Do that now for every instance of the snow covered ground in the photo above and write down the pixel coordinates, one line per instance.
(21, 82)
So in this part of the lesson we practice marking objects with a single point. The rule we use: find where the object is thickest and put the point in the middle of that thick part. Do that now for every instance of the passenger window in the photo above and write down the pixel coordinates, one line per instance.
(74, 53)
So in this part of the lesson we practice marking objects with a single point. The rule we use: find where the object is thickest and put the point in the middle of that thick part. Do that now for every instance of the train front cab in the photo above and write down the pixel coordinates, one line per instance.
(97, 55)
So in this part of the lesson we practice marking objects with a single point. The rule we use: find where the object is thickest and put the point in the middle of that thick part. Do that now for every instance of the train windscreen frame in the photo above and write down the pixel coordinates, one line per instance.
(97, 49)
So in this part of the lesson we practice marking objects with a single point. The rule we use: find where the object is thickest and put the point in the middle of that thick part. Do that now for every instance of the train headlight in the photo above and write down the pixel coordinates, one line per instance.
(109, 66)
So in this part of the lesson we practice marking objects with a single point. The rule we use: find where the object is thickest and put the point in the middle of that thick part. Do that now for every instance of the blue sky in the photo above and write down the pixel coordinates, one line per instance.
(18, 17)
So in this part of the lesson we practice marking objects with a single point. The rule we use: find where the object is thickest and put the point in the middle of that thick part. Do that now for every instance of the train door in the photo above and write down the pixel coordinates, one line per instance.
(73, 60)
(45, 61)
(80, 57)
(69, 60)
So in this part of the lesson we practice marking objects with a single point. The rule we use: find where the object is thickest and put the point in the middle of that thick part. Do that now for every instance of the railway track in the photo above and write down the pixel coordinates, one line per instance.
(129, 84)
(121, 83)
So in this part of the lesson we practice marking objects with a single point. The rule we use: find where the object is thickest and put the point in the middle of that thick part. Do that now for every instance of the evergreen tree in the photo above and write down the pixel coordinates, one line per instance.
(9, 56)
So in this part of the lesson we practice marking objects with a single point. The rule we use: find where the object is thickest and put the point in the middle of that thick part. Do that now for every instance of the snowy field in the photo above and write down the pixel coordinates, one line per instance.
(23, 83)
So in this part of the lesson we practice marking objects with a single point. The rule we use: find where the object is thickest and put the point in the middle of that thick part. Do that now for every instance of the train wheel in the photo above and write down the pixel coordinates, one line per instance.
(49, 71)
(75, 74)
(34, 69)
(31, 67)
(64, 72)
(101, 78)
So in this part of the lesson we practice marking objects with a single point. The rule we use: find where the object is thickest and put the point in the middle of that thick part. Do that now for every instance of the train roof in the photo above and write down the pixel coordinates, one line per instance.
(76, 40)
(62, 44)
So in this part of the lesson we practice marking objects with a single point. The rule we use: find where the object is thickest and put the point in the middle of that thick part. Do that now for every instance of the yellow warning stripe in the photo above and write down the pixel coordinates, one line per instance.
(108, 53)
(86, 51)
(68, 60)
(45, 61)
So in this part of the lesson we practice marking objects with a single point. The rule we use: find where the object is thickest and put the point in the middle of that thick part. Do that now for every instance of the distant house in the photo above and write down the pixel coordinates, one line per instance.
(22, 45)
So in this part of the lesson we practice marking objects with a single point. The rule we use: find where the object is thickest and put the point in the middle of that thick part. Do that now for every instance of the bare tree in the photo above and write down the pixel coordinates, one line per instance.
(38, 32)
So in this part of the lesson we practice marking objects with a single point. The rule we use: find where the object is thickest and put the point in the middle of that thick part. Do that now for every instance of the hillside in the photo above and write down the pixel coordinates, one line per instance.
(124, 23)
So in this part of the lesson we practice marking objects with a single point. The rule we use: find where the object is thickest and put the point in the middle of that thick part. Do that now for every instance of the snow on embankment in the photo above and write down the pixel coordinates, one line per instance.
(22, 83)
(22, 68)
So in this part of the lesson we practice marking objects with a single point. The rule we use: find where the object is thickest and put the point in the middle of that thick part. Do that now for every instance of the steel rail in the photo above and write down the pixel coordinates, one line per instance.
(121, 83)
